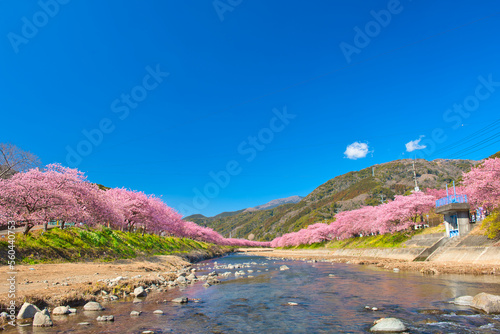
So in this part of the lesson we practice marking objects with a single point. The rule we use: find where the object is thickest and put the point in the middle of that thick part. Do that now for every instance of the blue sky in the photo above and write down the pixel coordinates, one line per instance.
(222, 105)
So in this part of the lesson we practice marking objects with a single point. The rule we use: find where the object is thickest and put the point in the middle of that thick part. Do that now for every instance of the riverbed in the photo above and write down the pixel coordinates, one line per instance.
(308, 297)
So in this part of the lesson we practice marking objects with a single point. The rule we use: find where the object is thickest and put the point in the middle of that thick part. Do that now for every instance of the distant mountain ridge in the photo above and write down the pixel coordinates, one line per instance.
(274, 203)
(369, 186)
(269, 205)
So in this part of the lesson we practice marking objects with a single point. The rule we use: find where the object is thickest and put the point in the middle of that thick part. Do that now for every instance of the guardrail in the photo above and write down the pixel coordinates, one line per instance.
(451, 199)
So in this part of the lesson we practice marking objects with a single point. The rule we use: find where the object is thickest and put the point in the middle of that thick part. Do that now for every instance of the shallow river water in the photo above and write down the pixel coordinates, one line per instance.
(331, 298)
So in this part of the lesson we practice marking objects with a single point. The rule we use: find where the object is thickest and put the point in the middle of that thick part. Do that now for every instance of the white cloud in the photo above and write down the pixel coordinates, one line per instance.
(356, 150)
(415, 145)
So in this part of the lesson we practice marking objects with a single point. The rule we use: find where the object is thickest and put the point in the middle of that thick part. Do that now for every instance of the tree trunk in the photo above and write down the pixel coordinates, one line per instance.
(143, 230)
(45, 226)
(27, 228)
(62, 224)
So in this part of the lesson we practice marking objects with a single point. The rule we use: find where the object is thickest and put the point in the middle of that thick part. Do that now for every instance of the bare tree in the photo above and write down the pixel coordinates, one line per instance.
(13, 159)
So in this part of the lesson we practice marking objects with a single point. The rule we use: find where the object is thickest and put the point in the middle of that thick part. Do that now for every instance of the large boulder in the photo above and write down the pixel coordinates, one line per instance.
(27, 311)
(180, 300)
(181, 280)
(463, 301)
(42, 319)
(140, 292)
(388, 325)
(93, 306)
(60, 310)
(486, 302)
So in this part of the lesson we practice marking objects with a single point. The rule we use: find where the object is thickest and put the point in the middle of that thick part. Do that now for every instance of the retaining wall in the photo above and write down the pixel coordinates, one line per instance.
(384, 253)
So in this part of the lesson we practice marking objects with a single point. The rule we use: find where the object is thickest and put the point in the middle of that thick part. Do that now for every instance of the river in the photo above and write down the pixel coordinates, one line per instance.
(329, 298)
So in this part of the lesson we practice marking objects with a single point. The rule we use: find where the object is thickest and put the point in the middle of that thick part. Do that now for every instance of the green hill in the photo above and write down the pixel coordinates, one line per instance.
(368, 186)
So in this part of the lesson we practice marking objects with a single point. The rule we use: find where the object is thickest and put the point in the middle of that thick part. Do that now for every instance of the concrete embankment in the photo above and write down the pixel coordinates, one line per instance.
(473, 254)
(470, 249)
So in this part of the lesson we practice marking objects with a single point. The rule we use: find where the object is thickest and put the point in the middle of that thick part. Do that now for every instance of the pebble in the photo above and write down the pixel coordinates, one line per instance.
(105, 318)
(158, 312)
(180, 300)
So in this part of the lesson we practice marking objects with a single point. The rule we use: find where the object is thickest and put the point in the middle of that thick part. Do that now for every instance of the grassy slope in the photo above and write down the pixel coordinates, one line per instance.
(74, 244)
(374, 241)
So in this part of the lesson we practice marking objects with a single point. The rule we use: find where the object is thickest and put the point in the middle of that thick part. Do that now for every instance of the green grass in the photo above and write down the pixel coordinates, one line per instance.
(373, 241)
(75, 244)
(389, 240)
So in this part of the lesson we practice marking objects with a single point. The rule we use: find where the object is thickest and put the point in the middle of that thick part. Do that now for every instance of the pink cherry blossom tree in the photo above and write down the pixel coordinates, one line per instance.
(38, 196)
(482, 184)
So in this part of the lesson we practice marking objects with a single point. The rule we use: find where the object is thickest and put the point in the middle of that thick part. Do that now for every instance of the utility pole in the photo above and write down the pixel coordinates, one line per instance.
(382, 198)
(415, 176)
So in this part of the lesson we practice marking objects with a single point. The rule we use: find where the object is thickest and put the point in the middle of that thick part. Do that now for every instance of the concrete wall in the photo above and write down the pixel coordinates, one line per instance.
(424, 240)
(486, 255)
(384, 253)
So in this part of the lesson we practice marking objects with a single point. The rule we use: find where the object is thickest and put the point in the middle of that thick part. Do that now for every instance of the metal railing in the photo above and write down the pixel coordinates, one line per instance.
(451, 199)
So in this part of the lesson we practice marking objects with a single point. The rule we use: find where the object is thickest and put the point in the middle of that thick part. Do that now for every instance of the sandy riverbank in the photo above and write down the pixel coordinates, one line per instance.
(76, 283)
(432, 268)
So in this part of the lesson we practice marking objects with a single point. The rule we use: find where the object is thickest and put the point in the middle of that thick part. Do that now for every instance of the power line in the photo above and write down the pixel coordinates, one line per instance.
(470, 137)
(472, 147)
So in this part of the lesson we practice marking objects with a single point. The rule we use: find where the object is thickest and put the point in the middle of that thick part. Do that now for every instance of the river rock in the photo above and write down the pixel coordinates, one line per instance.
(84, 323)
(388, 325)
(61, 310)
(486, 302)
(180, 300)
(135, 313)
(105, 318)
(158, 312)
(93, 306)
(27, 311)
(213, 281)
(284, 267)
(181, 280)
(140, 292)
(42, 319)
(463, 300)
